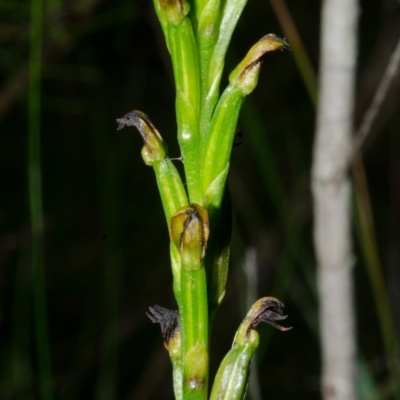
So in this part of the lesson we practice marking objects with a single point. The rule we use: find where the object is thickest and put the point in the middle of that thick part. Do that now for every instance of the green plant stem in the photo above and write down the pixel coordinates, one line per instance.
(207, 35)
(218, 147)
(194, 331)
(206, 128)
(181, 43)
(230, 16)
(35, 201)
(189, 228)
(170, 186)
(173, 197)
(177, 378)
(199, 6)
(187, 80)
(194, 310)
(176, 272)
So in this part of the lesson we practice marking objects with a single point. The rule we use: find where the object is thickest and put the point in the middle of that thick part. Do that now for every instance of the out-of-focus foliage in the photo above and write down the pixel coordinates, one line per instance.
(106, 242)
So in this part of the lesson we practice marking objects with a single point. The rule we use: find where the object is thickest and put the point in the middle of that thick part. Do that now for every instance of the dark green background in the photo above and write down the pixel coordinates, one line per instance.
(106, 242)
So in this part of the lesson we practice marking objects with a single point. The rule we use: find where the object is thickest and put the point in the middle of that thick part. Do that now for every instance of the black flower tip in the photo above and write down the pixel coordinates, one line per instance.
(168, 320)
(154, 148)
(284, 43)
(269, 310)
(130, 119)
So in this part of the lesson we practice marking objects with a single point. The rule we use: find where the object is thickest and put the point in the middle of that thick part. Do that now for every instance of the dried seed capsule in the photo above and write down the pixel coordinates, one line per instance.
(190, 231)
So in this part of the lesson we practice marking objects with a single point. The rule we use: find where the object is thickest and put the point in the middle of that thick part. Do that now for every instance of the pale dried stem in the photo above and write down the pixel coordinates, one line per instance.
(331, 191)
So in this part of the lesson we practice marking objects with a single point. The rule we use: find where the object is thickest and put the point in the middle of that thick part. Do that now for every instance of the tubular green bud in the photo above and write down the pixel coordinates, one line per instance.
(245, 75)
(154, 149)
(173, 10)
(196, 367)
(232, 376)
(190, 231)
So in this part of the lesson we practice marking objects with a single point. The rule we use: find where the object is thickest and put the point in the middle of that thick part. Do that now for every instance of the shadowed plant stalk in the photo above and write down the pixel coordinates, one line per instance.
(197, 36)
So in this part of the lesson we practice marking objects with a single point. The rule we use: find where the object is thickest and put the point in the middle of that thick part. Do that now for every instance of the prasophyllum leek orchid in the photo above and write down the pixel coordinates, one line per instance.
(198, 213)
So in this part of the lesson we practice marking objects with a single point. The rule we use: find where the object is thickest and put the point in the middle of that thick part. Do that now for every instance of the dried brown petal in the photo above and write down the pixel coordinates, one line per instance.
(269, 310)
(245, 75)
(168, 320)
(154, 146)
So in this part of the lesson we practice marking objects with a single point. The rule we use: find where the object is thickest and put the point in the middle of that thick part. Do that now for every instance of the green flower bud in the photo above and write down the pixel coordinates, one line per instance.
(232, 376)
(245, 75)
(173, 11)
(190, 231)
(196, 367)
(154, 149)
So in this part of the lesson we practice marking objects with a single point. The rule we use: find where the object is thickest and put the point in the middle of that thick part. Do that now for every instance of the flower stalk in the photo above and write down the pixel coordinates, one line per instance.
(181, 41)
(198, 213)
(190, 232)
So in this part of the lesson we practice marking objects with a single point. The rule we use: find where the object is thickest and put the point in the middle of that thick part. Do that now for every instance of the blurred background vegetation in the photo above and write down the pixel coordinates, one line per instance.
(73, 323)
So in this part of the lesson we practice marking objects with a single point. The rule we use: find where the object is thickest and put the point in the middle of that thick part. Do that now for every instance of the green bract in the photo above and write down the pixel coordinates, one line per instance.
(197, 35)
